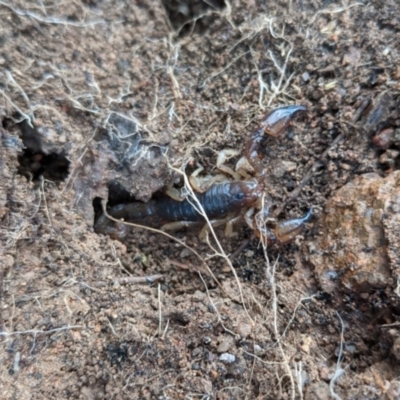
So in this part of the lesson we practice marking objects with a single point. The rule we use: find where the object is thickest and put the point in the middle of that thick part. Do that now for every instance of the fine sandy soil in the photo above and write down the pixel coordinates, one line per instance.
(115, 100)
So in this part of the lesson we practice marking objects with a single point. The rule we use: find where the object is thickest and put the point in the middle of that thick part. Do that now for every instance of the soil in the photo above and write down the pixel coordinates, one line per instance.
(111, 101)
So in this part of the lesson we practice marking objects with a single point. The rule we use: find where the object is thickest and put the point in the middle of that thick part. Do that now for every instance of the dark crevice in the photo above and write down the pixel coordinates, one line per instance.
(98, 208)
(183, 14)
(34, 162)
(117, 194)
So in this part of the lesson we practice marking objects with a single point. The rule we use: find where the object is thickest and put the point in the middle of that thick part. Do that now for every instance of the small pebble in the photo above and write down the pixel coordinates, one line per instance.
(225, 344)
(384, 138)
(211, 308)
(206, 340)
(289, 166)
(199, 296)
(393, 393)
(196, 352)
(244, 330)
(227, 358)
(306, 76)
(249, 253)
(396, 349)
(258, 349)
(318, 391)
(185, 253)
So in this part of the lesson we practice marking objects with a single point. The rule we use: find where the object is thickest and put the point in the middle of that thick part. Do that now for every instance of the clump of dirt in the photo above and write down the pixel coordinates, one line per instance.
(100, 102)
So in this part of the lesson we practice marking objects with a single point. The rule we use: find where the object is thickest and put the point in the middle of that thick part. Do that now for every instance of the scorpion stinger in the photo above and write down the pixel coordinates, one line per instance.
(274, 123)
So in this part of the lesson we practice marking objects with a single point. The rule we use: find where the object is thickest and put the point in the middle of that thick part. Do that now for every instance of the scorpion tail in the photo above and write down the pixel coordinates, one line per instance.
(279, 119)
(273, 124)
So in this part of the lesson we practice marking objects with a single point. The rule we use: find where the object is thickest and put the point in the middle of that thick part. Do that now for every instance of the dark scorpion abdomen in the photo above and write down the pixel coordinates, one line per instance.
(218, 201)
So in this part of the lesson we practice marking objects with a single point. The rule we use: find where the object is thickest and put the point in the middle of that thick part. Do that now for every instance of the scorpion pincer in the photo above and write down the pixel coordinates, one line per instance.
(220, 200)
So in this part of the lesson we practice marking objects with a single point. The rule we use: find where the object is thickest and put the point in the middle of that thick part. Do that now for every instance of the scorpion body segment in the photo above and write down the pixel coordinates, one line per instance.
(218, 201)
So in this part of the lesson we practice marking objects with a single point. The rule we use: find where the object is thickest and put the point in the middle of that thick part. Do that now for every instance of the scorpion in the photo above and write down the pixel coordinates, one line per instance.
(219, 199)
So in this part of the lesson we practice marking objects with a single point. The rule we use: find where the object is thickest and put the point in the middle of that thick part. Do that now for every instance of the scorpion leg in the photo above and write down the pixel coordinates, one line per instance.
(177, 225)
(215, 223)
(174, 193)
(244, 169)
(273, 124)
(202, 183)
(229, 221)
(229, 226)
(223, 156)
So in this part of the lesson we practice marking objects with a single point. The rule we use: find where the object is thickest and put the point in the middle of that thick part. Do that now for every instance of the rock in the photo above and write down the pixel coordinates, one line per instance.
(207, 340)
(359, 236)
(227, 358)
(384, 138)
(393, 393)
(395, 350)
(305, 76)
(244, 329)
(199, 296)
(378, 114)
(281, 167)
(225, 344)
(318, 391)
(352, 57)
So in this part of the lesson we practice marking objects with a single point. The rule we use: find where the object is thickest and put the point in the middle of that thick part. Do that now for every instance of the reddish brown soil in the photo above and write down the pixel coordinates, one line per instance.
(95, 95)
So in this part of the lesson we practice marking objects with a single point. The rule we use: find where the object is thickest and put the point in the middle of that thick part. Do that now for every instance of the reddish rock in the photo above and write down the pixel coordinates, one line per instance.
(359, 236)
(384, 138)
